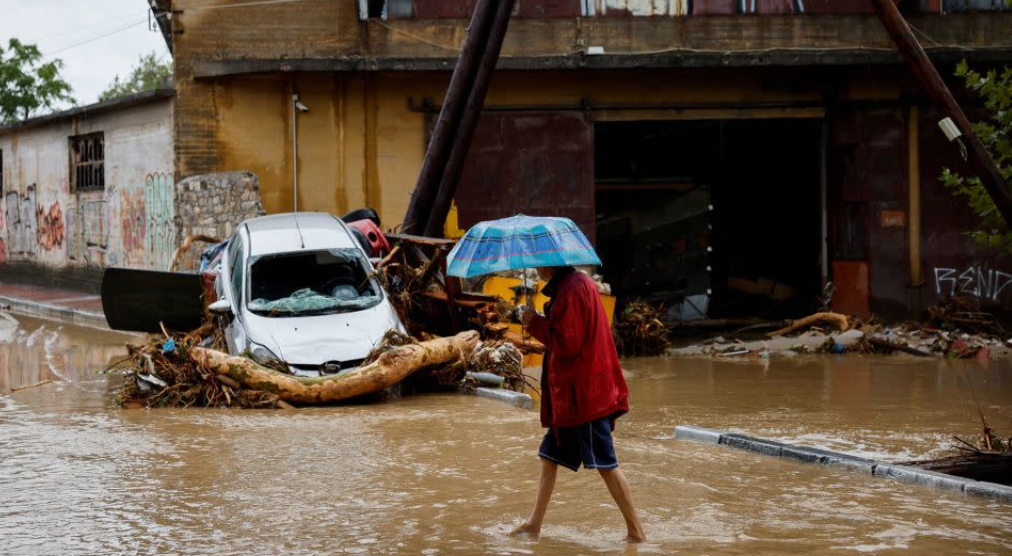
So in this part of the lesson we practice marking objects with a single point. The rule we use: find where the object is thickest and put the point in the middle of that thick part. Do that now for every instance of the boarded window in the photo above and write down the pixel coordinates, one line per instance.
(87, 161)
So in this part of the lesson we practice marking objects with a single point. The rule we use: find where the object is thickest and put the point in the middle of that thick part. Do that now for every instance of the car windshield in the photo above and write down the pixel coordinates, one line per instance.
(311, 283)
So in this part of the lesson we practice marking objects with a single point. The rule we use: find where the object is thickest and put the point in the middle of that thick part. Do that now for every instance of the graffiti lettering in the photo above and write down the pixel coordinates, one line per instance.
(133, 222)
(159, 200)
(22, 223)
(50, 227)
(976, 281)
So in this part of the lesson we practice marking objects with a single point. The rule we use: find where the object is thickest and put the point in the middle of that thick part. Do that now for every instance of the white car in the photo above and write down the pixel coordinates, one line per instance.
(300, 289)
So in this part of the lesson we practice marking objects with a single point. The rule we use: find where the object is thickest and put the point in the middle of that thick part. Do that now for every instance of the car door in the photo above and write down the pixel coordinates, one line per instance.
(234, 280)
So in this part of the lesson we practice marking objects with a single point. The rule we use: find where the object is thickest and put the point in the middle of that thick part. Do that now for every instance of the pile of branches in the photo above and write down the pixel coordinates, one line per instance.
(963, 312)
(406, 274)
(501, 358)
(161, 373)
(639, 331)
(498, 357)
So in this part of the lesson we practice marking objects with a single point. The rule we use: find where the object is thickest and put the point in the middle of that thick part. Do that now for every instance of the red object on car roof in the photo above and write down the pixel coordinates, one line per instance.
(374, 235)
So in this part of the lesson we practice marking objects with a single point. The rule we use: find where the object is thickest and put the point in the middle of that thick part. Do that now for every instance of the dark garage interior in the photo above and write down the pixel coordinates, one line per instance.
(712, 218)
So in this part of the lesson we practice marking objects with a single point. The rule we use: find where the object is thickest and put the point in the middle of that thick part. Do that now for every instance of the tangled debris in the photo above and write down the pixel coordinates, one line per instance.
(990, 459)
(195, 371)
(162, 373)
(639, 330)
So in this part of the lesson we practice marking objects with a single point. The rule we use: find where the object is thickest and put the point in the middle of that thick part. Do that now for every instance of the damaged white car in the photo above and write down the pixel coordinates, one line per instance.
(299, 289)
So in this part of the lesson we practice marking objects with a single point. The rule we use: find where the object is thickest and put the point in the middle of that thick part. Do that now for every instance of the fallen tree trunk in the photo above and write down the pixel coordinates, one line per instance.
(389, 369)
(837, 320)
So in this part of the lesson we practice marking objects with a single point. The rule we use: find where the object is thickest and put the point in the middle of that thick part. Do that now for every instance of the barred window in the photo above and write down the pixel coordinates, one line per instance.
(87, 161)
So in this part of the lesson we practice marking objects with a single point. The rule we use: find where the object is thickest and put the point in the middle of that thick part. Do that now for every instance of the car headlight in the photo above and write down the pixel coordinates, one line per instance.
(261, 354)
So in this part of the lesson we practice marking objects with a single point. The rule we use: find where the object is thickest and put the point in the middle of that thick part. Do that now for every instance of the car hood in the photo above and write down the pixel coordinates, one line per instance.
(318, 339)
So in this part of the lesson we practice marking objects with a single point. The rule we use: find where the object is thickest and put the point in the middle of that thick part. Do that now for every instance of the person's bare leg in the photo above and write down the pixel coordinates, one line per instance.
(620, 491)
(532, 527)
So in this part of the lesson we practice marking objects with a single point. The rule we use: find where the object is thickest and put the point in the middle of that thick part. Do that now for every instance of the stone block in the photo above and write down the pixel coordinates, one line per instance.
(917, 476)
(698, 434)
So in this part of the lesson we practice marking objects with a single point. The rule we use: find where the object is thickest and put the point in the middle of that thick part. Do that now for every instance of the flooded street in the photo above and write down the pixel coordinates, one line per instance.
(449, 474)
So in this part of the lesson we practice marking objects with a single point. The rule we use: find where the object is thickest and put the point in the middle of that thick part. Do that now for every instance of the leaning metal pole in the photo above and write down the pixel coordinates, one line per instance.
(469, 122)
(946, 105)
(447, 125)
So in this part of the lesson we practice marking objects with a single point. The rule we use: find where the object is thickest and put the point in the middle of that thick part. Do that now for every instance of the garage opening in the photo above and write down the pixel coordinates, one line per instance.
(712, 218)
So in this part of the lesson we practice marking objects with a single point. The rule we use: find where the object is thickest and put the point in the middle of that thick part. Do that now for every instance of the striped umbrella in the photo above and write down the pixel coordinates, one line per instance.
(520, 242)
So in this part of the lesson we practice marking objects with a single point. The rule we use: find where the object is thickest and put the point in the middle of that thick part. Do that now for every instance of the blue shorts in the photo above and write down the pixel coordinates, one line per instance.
(590, 444)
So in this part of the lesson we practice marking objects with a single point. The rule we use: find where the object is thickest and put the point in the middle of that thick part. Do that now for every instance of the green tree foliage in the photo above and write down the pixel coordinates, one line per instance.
(148, 74)
(27, 84)
(995, 88)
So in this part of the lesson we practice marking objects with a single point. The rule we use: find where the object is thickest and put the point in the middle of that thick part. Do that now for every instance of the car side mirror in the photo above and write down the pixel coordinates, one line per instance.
(221, 306)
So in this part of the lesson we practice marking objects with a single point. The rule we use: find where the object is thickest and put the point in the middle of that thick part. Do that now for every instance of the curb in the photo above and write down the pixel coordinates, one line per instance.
(516, 399)
(50, 311)
(902, 473)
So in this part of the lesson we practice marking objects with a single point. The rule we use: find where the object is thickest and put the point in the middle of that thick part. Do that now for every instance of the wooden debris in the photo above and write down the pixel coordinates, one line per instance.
(388, 369)
(838, 321)
(640, 332)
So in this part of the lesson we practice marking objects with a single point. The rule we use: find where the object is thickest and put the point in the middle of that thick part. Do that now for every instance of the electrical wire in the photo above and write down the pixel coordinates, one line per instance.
(95, 38)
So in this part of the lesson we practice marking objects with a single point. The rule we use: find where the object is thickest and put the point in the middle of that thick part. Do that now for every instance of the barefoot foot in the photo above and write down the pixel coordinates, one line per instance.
(634, 538)
(526, 530)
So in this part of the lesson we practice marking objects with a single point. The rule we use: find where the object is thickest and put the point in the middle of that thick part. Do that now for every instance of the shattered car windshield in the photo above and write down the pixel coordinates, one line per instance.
(311, 283)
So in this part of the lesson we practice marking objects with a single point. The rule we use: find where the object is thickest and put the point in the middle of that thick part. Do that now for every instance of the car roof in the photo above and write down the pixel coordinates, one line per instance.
(290, 232)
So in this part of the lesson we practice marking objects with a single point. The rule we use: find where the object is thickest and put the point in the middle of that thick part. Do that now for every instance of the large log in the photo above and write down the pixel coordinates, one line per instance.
(391, 368)
(837, 320)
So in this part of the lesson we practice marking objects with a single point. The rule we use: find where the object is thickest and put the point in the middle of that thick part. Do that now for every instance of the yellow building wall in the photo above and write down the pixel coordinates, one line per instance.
(360, 144)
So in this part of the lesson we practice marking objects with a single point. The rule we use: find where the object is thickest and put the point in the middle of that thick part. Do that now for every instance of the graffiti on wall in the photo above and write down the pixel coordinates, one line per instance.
(50, 227)
(986, 284)
(133, 224)
(159, 202)
(22, 223)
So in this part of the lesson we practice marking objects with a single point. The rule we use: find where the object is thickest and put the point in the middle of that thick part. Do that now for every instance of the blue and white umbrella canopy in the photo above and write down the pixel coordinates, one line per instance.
(520, 242)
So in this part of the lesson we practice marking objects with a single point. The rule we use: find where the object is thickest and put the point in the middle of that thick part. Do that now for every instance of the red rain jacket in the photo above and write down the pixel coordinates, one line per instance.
(582, 380)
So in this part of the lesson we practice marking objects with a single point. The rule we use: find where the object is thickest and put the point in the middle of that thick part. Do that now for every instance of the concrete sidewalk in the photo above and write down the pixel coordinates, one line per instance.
(84, 309)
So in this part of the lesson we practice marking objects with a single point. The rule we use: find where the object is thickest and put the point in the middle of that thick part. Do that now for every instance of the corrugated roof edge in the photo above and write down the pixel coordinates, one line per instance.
(126, 101)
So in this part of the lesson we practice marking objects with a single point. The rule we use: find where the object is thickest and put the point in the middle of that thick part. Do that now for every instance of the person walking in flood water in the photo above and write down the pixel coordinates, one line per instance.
(583, 392)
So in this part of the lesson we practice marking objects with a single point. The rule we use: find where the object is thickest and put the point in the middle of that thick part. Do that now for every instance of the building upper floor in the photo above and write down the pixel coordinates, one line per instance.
(215, 38)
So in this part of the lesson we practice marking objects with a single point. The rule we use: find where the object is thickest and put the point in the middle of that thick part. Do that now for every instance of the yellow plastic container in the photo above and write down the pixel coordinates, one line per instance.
(503, 288)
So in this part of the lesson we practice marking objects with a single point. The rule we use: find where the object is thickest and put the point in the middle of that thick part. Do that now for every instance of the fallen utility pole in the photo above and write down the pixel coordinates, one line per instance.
(469, 122)
(946, 105)
(445, 133)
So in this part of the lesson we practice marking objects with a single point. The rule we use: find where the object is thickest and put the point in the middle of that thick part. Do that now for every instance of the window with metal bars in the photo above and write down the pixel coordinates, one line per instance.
(87, 161)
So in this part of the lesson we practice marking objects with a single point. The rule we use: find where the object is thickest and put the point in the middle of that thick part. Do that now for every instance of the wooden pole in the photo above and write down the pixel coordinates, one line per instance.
(946, 105)
(438, 152)
(469, 122)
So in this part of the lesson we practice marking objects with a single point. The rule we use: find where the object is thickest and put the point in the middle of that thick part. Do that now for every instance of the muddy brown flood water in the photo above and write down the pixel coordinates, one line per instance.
(448, 474)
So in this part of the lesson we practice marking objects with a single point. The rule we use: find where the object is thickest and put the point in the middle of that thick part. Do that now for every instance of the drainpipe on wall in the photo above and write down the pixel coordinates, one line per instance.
(297, 107)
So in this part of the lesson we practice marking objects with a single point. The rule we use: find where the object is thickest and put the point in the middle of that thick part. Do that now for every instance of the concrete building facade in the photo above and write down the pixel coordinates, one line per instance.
(711, 148)
(88, 188)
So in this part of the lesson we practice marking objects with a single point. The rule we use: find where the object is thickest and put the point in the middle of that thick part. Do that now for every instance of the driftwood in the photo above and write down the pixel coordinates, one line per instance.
(883, 343)
(389, 369)
(187, 243)
(838, 321)
(980, 466)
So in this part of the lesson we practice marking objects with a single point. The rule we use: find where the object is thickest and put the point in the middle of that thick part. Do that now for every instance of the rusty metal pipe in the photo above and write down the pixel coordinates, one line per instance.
(469, 122)
(946, 105)
(438, 152)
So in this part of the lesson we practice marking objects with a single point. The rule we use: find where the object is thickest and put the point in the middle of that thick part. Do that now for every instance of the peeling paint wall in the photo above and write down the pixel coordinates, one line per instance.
(128, 223)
